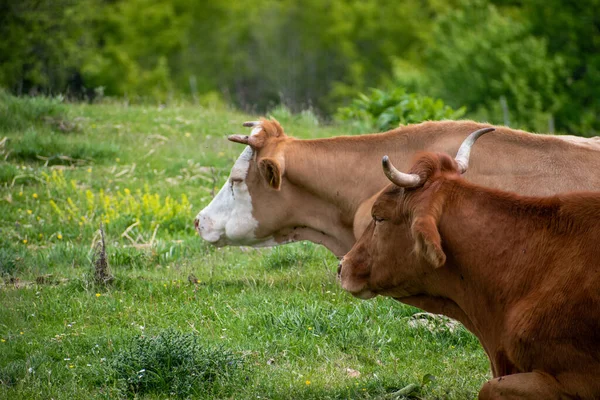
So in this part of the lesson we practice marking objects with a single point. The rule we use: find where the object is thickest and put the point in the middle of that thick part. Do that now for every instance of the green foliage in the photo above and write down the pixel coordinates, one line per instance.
(283, 257)
(540, 57)
(19, 113)
(572, 31)
(43, 44)
(53, 148)
(10, 260)
(133, 59)
(280, 310)
(477, 55)
(172, 362)
(384, 110)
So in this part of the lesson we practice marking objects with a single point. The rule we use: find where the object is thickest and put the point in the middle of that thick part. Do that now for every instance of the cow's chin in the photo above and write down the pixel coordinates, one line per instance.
(357, 290)
(364, 294)
(223, 241)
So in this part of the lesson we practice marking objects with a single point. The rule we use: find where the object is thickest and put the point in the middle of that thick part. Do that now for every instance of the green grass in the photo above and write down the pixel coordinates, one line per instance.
(271, 323)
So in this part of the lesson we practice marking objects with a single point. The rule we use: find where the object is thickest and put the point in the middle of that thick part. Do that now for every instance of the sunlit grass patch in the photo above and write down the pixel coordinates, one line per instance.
(20, 113)
(51, 148)
(282, 257)
(281, 310)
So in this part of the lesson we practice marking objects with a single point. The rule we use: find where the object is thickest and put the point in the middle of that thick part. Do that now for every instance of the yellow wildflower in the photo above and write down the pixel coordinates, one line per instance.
(20, 333)
(117, 159)
(59, 236)
(98, 295)
(35, 195)
(20, 193)
(25, 241)
(41, 235)
(187, 134)
(89, 170)
(2, 340)
(307, 382)
(29, 212)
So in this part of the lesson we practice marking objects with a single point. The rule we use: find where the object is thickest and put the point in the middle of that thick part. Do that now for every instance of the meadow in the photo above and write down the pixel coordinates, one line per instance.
(182, 319)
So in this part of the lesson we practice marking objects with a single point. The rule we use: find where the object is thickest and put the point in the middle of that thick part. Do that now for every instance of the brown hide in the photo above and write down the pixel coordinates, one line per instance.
(522, 273)
(322, 190)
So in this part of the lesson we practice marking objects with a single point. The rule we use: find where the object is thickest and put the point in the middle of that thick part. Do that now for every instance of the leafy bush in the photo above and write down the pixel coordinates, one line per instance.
(384, 110)
(477, 55)
(20, 113)
(52, 148)
(123, 207)
(10, 260)
(173, 364)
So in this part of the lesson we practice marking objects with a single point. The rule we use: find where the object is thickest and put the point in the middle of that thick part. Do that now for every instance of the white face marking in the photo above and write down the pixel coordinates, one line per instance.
(228, 219)
(255, 130)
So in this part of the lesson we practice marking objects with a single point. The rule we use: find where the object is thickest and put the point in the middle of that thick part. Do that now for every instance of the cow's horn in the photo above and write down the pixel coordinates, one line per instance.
(399, 178)
(462, 157)
(251, 124)
(244, 139)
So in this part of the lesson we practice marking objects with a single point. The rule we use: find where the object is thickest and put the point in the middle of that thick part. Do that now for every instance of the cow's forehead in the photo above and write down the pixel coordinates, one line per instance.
(257, 128)
(242, 164)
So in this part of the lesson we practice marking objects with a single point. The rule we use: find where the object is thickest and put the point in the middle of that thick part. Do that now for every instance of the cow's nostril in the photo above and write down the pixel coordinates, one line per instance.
(196, 223)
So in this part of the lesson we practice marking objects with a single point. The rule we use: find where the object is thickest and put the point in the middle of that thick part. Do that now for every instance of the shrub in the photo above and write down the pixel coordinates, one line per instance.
(384, 110)
(20, 113)
(478, 54)
(171, 363)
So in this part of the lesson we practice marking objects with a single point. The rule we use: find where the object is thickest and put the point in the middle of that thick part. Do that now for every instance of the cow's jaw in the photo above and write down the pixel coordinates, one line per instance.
(228, 219)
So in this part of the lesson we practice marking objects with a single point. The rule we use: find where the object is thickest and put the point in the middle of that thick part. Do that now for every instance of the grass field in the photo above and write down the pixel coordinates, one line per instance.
(269, 323)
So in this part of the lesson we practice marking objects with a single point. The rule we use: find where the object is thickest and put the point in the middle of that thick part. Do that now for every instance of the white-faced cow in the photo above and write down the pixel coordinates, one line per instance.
(282, 189)
(521, 273)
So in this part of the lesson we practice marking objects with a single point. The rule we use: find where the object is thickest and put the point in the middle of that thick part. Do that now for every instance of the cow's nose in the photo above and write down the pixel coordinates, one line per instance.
(339, 270)
(196, 223)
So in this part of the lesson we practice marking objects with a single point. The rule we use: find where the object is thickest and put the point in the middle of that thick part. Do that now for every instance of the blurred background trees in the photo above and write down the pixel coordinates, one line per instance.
(530, 63)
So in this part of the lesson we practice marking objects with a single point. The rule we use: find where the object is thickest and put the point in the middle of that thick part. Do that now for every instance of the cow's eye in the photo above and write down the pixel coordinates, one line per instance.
(235, 180)
(377, 219)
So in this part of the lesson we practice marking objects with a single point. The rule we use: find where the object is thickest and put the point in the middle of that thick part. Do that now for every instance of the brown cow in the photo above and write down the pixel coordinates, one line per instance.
(282, 189)
(521, 273)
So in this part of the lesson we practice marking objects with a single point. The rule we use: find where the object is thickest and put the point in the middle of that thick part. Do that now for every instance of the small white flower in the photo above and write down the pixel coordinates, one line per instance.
(30, 370)
(67, 359)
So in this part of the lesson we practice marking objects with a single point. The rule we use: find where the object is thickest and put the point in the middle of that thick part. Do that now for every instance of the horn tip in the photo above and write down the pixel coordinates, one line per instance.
(238, 138)
(385, 160)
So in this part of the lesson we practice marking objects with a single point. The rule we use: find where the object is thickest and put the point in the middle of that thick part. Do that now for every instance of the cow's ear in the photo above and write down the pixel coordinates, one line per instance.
(428, 242)
(272, 171)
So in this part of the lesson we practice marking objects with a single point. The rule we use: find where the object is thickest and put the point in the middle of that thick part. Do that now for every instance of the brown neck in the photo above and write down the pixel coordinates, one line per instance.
(339, 178)
(487, 240)
(343, 174)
